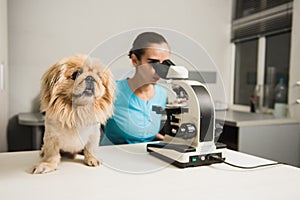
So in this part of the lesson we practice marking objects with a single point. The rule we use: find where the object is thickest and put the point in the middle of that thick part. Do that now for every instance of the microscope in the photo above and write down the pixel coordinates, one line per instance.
(189, 121)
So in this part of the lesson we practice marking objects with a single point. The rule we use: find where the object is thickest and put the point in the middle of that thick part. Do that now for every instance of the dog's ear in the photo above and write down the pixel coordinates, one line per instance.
(109, 84)
(49, 80)
(104, 104)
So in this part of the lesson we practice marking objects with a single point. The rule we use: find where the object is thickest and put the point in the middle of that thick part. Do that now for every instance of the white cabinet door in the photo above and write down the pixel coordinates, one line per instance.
(3, 75)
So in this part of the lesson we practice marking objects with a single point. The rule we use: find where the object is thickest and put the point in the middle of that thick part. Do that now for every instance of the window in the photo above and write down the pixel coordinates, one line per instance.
(277, 63)
(245, 77)
(244, 8)
(261, 33)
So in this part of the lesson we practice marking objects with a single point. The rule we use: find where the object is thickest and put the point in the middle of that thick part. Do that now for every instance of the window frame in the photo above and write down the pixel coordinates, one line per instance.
(260, 77)
(266, 20)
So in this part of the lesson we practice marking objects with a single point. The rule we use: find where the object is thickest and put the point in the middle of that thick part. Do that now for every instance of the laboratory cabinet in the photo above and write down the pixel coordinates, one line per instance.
(263, 135)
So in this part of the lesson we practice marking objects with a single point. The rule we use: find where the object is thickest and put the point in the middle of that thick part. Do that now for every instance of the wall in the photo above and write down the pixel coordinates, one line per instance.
(42, 31)
(3, 74)
(295, 64)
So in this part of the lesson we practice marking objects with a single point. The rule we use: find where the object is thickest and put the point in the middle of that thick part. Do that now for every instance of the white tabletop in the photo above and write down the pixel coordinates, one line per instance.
(129, 172)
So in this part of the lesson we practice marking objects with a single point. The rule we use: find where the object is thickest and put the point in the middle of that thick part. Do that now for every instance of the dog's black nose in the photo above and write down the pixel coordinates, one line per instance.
(89, 79)
(89, 86)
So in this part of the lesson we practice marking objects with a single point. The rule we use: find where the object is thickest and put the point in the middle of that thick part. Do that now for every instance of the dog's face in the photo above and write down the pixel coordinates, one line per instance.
(83, 83)
(76, 82)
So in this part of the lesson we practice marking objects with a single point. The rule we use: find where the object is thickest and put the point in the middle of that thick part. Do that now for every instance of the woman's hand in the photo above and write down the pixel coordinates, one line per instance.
(159, 137)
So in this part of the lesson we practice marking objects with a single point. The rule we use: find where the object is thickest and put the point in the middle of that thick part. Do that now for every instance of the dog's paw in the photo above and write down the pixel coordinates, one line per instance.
(43, 167)
(91, 161)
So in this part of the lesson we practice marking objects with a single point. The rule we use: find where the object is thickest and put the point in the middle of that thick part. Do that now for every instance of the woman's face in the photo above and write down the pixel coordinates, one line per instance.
(154, 53)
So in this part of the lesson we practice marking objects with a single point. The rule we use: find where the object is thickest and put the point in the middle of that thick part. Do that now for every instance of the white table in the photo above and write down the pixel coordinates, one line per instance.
(129, 172)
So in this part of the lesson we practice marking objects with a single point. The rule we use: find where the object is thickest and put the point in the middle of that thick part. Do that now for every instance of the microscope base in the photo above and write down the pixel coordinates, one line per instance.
(182, 156)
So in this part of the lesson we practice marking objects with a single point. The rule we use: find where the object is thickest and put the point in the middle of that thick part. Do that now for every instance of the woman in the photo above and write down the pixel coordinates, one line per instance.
(133, 120)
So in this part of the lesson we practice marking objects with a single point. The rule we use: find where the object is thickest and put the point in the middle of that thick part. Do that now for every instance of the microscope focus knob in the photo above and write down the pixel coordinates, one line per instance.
(186, 131)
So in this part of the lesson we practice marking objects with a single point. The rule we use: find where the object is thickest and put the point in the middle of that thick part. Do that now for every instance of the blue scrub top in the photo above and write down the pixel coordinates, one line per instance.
(133, 120)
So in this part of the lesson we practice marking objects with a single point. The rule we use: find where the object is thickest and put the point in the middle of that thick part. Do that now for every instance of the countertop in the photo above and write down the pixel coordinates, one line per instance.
(31, 119)
(239, 119)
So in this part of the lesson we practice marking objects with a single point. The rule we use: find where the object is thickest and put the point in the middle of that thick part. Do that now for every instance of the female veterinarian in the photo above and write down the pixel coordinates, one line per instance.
(133, 120)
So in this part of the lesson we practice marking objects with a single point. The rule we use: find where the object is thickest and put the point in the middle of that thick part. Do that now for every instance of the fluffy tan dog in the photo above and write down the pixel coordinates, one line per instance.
(77, 95)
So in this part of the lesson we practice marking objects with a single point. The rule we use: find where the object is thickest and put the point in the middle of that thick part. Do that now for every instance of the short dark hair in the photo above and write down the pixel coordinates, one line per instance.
(143, 41)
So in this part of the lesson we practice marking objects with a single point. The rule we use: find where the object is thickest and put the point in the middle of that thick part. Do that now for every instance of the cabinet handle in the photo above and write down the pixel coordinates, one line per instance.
(1, 77)
(298, 84)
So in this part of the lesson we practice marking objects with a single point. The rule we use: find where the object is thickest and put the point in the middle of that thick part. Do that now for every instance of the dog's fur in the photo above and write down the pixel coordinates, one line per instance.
(77, 95)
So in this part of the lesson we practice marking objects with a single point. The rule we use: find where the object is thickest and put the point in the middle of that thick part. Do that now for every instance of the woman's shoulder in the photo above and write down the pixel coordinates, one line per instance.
(122, 88)
(121, 84)
(160, 94)
(160, 89)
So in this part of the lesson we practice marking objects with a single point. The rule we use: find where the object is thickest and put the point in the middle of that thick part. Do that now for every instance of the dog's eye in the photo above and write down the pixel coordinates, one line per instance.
(75, 75)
